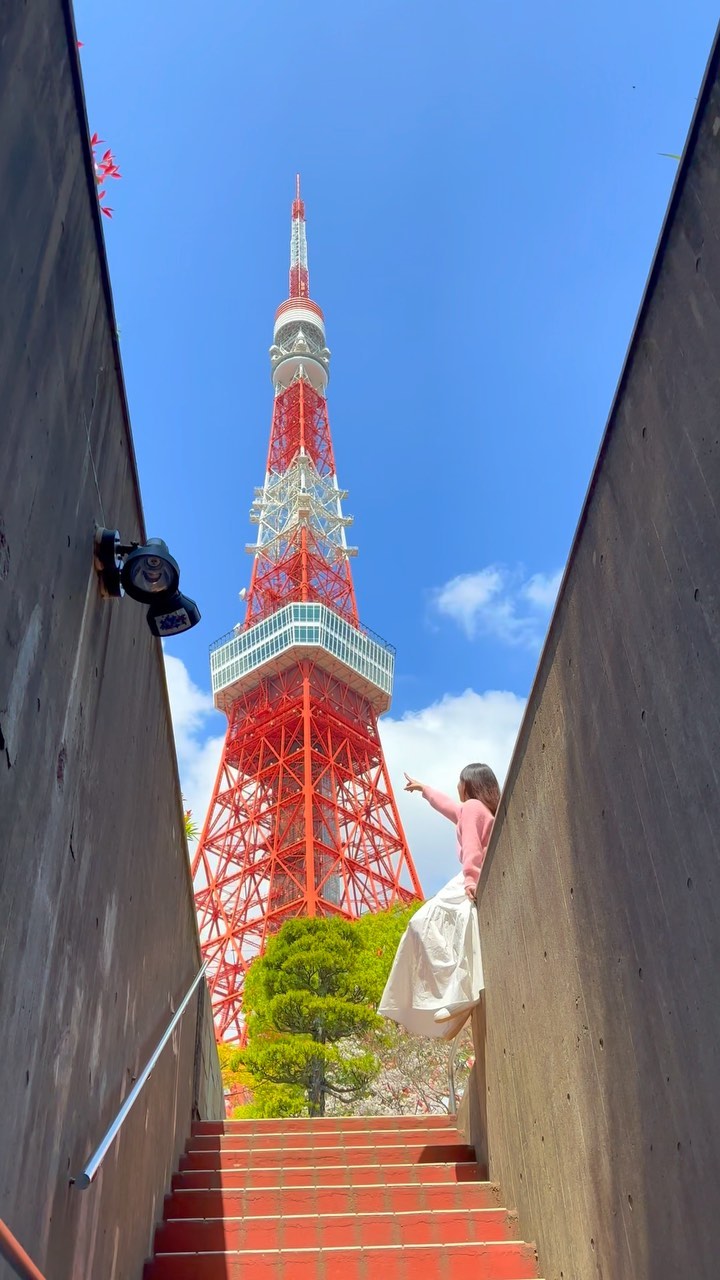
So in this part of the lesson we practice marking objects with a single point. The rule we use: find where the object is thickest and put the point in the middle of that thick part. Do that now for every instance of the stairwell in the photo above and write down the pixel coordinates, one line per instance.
(355, 1199)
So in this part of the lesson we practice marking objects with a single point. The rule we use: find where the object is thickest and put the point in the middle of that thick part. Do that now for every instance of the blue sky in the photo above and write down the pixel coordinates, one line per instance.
(484, 194)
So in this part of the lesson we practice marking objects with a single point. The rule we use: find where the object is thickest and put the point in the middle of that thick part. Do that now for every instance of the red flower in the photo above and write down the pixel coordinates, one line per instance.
(104, 168)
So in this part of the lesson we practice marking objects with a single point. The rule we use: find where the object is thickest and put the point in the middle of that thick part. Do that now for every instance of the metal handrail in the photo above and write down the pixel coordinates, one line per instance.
(87, 1174)
(452, 1097)
(12, 1251)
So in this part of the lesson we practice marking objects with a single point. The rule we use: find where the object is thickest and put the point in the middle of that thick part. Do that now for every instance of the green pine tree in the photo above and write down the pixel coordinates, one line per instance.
(305, 999)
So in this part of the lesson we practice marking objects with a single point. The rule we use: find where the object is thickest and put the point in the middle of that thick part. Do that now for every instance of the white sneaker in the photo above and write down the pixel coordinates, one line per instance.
(442, 1015)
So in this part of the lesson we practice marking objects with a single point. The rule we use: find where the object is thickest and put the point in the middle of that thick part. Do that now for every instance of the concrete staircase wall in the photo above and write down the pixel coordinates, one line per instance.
(600, 902)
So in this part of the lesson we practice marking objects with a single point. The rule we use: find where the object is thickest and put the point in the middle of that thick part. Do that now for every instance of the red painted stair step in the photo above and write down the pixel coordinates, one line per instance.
(342, 1175)
(256, 1202)
(345, 1124)
(264, 1157)
(310, 1231)
(395, 1198)
(493, 1261)
(414, 1137)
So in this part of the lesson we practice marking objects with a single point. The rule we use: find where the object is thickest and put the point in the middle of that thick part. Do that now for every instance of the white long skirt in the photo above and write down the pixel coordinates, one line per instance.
(438, 966)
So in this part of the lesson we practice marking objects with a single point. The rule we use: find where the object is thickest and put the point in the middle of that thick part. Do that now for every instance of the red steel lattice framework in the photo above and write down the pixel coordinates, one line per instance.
(302, 820)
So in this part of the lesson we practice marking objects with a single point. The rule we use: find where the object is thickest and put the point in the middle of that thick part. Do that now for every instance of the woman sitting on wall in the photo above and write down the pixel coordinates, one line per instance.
(437, 976)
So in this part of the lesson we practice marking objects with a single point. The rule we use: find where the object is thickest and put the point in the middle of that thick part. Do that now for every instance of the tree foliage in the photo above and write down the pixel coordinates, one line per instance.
(310, 1001)
(272, 1100)
(234, 1073)
(413, 1075)
(192, 831)
(380, 933)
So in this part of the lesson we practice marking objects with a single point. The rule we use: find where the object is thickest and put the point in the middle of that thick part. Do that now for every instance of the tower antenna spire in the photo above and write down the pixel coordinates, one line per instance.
(299, 275)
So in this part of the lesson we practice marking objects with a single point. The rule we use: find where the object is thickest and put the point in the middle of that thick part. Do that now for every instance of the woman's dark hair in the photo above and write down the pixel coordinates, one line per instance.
(480, 783)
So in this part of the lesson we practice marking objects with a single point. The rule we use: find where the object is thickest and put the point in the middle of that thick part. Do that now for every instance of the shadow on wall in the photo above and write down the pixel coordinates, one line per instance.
(600, 907)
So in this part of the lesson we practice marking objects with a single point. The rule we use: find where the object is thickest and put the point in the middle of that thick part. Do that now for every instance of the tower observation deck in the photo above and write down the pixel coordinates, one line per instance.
(302, 820)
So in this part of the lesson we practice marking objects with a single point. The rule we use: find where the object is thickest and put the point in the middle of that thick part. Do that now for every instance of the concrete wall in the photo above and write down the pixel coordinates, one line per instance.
(600, 908)
(209, 1100)
(97, 930)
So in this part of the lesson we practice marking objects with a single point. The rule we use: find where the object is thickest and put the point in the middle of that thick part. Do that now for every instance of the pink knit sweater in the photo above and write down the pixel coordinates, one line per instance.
(474, 823)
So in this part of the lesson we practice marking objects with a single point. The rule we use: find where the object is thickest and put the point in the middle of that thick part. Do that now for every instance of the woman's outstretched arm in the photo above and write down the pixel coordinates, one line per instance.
(444, 805)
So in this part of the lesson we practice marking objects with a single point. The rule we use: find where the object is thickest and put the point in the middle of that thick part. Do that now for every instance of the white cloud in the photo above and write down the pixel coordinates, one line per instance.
(542, 589)
(197, 742)
(499, 602)
(470, 594)
(433, 745)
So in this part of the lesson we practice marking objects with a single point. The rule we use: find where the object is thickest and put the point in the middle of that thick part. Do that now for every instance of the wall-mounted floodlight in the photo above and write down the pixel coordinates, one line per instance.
(149, 574)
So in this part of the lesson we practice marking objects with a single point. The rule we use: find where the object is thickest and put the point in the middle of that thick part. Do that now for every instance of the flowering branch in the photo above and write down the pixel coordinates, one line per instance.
(105, 168)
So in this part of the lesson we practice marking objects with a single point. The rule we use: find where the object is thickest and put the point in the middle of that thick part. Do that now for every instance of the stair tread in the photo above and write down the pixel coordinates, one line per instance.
(434, 1152)
(341, 1164)
(322, 1141)
(503, 1260)
(255, 1187)
(441, 1151)
(335, 1176)
(377, 1197)
(312, 1230)
(325, 1122)
(497, 1246)
(294, 1217)
(327, 1158)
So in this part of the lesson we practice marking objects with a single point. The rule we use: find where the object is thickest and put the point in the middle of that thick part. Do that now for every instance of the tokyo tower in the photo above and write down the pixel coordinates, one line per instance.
(302, 821)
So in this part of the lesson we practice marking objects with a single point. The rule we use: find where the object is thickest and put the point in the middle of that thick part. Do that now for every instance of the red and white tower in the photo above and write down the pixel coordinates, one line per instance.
(302, 820)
